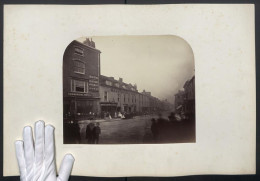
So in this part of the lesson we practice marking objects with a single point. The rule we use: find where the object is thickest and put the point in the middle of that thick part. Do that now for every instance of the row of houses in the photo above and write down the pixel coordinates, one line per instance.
(185, 99)
(86, 92)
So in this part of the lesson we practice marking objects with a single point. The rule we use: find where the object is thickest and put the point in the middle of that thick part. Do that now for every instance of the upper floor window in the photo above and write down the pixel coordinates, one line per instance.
(106, 96)
(117, 84)
(79, 86)
(118, 98)
(79, 51)
(79, 67)
(108, 83)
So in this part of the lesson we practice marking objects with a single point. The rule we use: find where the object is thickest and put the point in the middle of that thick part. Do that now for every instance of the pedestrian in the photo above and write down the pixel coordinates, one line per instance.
(89, 133)
(154, 129)
(76, 132)
(162, 127)
(96, 133)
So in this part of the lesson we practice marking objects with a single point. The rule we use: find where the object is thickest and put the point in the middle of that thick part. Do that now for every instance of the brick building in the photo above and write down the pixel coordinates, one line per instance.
(81, 70)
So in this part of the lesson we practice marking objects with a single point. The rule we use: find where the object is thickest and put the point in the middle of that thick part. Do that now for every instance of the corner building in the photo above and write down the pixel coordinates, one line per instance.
(81, 70)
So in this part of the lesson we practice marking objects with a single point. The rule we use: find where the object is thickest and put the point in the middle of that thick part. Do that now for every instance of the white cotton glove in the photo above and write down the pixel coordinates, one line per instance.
(37, 160)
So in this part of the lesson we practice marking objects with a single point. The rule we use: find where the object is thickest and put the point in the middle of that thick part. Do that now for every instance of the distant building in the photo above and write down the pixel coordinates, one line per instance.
(185, 99)
(81, 69)
(189, 96)
(179, 100)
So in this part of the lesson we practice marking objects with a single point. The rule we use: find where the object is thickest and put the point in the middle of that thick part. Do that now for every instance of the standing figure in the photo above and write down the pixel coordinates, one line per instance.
(89, 133)
(96, 133)
(154, 129)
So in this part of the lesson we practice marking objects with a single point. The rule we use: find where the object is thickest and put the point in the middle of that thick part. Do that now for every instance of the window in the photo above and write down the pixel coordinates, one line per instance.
(105, 96)
(108, 83)
(118, 99)
(116, 84)
(79, 67)
(78, 86)
(79, 51)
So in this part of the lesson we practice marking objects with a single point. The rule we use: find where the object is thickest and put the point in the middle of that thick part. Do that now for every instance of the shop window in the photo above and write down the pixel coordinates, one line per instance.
(79, 86)
(79, 67)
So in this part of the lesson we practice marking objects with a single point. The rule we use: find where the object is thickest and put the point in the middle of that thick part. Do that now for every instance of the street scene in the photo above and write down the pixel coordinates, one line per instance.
(101, 109)
(137, 131)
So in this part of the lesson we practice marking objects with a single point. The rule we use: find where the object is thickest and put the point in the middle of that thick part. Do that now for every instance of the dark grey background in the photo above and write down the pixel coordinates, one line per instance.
(184, 178)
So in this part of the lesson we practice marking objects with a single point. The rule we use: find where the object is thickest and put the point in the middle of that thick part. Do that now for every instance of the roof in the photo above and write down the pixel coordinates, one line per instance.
(103, 80)
(90, 47)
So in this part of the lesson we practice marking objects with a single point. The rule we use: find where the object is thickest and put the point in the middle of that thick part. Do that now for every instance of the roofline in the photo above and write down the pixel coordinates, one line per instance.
(86, 46)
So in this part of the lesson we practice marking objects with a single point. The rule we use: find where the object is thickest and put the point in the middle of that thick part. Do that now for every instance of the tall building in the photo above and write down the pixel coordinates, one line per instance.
(81, 70)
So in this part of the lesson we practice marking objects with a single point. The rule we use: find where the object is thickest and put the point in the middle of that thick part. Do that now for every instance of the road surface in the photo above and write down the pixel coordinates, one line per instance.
(122, 131)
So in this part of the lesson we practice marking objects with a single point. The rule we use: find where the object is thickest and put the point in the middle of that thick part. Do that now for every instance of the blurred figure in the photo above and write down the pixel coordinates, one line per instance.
(89, 133)
(172, 117)
(154, 129)
(162, 127)
(96, 133)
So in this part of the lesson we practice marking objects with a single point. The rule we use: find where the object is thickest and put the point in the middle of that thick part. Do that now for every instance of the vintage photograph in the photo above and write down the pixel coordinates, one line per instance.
(128, 90)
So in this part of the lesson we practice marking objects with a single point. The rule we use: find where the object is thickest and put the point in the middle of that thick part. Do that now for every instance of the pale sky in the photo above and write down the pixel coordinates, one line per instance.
(158, 64)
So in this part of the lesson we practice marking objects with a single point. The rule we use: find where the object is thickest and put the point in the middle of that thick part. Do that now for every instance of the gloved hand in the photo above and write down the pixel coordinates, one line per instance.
(37, 160)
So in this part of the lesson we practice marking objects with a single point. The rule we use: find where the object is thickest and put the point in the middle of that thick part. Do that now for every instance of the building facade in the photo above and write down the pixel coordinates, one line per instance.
(118, 96)
(189, 97)
(86, 93)
(81, 70)
(185, 99)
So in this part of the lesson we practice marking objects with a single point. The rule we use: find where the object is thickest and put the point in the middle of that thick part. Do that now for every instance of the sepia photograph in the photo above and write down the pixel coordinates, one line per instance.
(117, 82)
(128, 90)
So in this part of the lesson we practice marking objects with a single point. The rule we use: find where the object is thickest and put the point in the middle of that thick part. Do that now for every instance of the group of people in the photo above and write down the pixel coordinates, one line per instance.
(92, 133)
(170, 130)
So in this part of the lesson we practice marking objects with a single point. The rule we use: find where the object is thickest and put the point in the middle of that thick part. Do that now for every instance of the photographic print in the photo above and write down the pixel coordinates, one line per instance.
(167, 89)
(128, 90)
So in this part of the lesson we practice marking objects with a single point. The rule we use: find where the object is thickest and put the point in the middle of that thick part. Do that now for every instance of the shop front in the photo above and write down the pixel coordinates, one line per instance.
(78, 108)
(108, 108)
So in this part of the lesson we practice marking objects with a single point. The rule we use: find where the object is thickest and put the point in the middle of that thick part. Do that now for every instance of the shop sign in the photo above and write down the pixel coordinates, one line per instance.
(93, 83)
(79, 94)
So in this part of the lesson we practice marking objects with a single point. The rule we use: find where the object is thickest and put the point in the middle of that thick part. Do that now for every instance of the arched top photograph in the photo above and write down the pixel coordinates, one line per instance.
(128, 90)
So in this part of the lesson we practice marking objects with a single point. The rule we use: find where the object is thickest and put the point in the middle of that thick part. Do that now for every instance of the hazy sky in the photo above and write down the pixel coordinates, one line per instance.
(159, 64)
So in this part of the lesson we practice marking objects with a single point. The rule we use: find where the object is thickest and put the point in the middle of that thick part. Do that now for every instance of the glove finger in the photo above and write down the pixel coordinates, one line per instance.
(39, 129)
(28, 151)
(66, 167)
(49, 153)
(21, 160)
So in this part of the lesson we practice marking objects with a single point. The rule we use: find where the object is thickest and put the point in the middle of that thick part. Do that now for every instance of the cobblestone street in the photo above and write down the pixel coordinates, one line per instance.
(122, 131)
